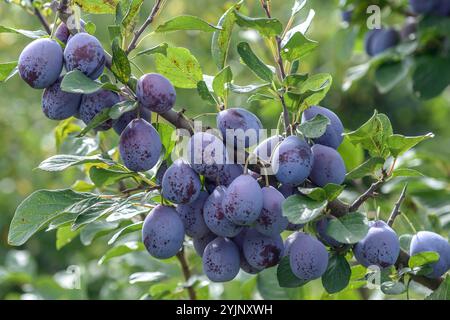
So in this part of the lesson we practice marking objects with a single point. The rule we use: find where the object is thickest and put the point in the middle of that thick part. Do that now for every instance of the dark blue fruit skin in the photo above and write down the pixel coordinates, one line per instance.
(221, 260)
(62, 33)
(201, 243)
(214, 215)
(243, 200)
(347, 15)
(192, 216)
(239, 241)
(292, 161)
(328, 166)
(160, 172)
(430, 241)
(423, 6)
(321, 228)
(180, 183)
(85, 53)
(442, 8)
(228, 172)
(287, 190)
(207, 154)
(380, 247)
(238, 118)
(92, 104)
(121, 123)
(140, 146)
(379, 40)
(271, 221)
(266, 148)
(246, 267)
(308, 257)
(333, 134)
(261, 251)
(59, 105)
(163, 232)
(294, 226)
(156, 93)
(40, 63)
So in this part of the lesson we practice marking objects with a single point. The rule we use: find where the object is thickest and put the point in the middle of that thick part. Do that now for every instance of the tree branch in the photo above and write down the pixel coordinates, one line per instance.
(369, 193)
(396, 211)
(187, 273)
(42, 20)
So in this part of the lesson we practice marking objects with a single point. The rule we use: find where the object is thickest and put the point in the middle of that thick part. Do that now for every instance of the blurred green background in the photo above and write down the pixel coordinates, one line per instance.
(38, 269)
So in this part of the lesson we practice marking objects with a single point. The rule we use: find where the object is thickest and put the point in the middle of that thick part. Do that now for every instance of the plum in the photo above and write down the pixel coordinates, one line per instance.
(155, 92)
(292, 161)
(294, 226)
(266, 148)
(201, 243)
(409, 29)
(261, 251)
(62, 33)
(379, 247)
(321, 228)
(243, 126)
(239, 241)
(243, 200)
(160, 172)
(287, 190)
(192, 216)
(442, 8)
(120, 124)
(92, 104)
(60, 105)
(221, 260)
(379, 40)
(346, 15)
(40, 63)
(214, 215)
(328, 166)
(247, 267)
(180, 183)
(271, 220)
(423, 6)
(333, 134)
(85, 53)
(430, 241)
(289, 241)
(308, 257)
(140, 146)
(163, 232)
(228, 172)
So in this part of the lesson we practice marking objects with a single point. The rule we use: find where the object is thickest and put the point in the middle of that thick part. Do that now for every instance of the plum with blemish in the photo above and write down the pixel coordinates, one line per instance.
(192, 216)
(92, 104)
(262, 251)
(201, 242)
(333, 133)
(271, 221)
(221, 260)
(328, 166)
(155, 92)
(58, 104)
(180, 183)
(123, 121)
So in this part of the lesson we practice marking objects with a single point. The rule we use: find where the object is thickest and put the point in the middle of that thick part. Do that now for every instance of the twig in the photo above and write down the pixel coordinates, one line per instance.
(187, 273)
(41, 18)
(147, 22)
(366, 195)
(396, 211)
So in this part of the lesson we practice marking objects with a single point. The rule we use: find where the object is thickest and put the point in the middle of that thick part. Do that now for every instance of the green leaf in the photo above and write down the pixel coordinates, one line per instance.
(63, 161)
(95, 230)
(315, 127)
(268, 27)
(165, 132)
(204, 93)
(298, 47)
(248, 89)
(90, 28)
(125, 230)
(221, 81)
(441, 293)
(393, 288)
(36, 211)
(365, 169)
(349, 229)
(94, 211)
(389, 74)
(406, 172)
(254, 63)
(120, 65)
(140, 277)
(180, 67)
(329, 192)
(337, 276)
(405, 241)
(310, 91)
(423, 258)
(186, 23)
(431, 76)
(333, 190)
(99, 119)
(132, 14)
(27, 33)
(353, 155)
(297, 7)
(399, 144)
(286, 278)
(64, 236)
(76, 82)
(160, 48)
(121, 250)
(97, 6)
(105, 177)
(7, 70)
(300, 28)
(122, 107)
(300, 209)
(220, 43)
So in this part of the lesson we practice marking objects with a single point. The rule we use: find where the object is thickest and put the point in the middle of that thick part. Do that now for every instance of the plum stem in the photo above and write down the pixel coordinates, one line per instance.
(396, 211)
(187, 273)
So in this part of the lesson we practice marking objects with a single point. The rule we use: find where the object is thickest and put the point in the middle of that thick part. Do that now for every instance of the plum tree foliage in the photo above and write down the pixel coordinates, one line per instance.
(194, 195)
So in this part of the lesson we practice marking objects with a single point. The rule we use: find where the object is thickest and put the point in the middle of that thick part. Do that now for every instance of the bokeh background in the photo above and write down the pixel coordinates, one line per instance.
(38, 270)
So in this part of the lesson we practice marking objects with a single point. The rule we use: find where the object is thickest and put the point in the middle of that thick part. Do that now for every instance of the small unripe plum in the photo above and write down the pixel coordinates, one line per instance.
(140, 146)
(379, 247)
(201, 243)
(155, 92)
(120, 124)
(308, 257)
(60, 105)
(192, 216)
(221, 260)
(321, 228)
(240, 122)
(92, 104)
(271, 221)
(292, 161)
(266, 148)
(40, 63)
(379, 40)
(163, 232)
(243, 200)
(328, 166)
(85, 53)
(430, 241)
(333, 134)
(214, 215)
(180, 183)
(261, 251)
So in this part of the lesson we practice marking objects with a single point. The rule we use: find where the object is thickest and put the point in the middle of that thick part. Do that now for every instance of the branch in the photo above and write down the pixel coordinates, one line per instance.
(396, 211)
(42, 20)
(147, 22)
(187, 273)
